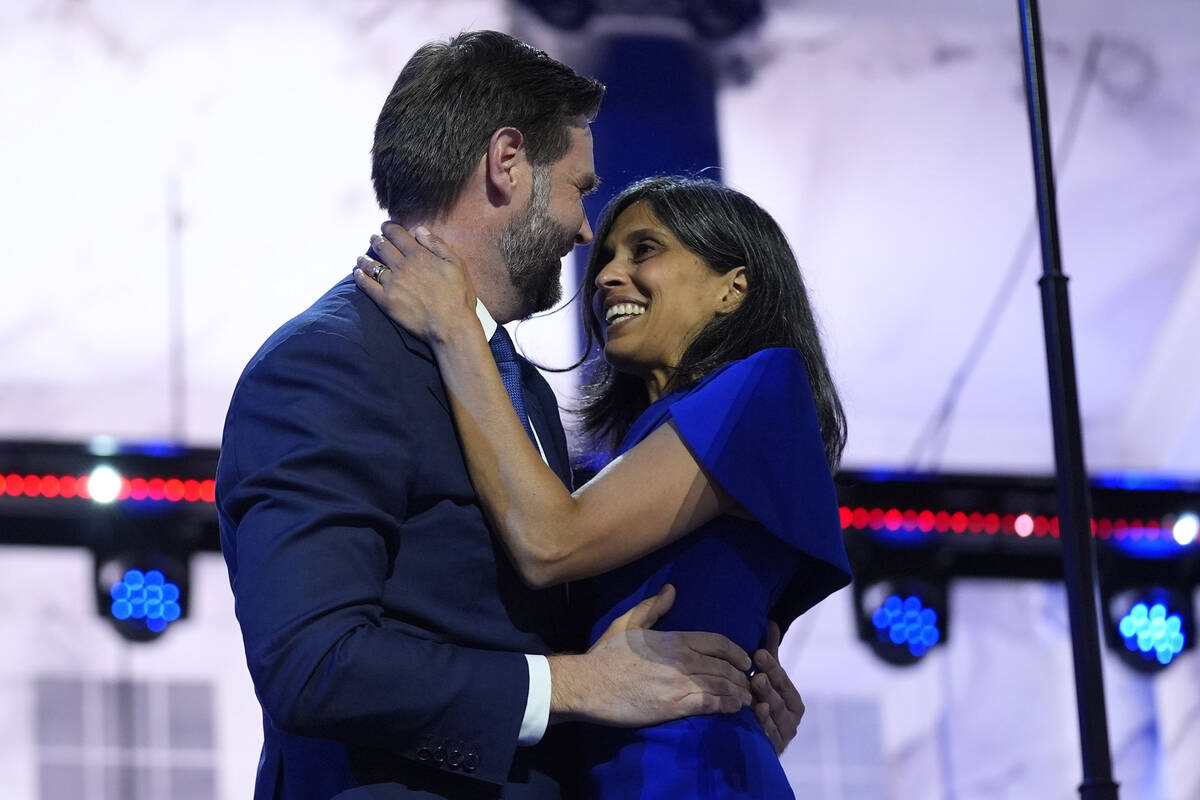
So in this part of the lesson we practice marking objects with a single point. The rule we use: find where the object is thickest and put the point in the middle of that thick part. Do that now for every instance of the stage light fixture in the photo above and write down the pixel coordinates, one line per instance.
(1149, 626)
(146, 596)
(902, 618)
(141, 594)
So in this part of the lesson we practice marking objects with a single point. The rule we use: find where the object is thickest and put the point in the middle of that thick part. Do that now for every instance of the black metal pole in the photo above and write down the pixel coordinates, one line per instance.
(1074, 499)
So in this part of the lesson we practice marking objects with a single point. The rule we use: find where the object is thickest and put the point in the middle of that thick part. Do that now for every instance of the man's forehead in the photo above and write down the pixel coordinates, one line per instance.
(579, 156)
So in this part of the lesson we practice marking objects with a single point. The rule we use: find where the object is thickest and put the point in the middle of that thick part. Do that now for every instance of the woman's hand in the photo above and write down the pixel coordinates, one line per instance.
(419, 282)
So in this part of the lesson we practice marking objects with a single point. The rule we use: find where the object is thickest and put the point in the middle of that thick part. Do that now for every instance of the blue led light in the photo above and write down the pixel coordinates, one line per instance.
(1144, 481)
(906, 622)
(146, 596)
(1150, 629)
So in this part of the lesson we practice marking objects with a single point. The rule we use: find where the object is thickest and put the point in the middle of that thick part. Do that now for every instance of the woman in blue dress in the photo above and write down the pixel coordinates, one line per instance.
(715, 400)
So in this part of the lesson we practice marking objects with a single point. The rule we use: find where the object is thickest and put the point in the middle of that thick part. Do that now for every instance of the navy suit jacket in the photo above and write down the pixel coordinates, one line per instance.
(384, 625)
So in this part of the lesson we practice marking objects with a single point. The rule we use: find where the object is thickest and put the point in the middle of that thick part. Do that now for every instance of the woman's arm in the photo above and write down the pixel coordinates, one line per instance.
(643, 500)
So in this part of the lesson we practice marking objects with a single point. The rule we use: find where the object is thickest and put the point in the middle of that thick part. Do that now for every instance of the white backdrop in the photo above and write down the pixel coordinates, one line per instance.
(232, 141)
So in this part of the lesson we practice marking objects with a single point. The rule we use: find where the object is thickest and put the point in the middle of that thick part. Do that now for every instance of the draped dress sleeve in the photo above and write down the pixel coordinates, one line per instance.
(753, 427)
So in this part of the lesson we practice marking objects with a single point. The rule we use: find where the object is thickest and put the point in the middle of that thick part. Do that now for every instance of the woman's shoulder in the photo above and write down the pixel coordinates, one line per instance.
(770, 366)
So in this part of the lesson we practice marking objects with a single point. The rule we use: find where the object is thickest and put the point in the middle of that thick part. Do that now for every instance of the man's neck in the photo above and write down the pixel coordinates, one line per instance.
(475, 245)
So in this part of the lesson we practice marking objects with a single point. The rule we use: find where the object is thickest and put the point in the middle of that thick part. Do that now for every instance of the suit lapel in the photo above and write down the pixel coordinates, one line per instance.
(542, 408)
(548, 430)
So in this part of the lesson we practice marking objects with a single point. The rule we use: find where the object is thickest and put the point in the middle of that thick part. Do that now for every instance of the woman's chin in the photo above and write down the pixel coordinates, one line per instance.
(620, 358)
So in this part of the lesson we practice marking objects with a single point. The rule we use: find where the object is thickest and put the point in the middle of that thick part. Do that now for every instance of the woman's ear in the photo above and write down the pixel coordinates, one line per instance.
(506, 150)
(735, 285)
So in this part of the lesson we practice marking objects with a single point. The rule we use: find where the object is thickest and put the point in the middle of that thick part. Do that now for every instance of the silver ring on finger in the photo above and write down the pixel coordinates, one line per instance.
(377, 270)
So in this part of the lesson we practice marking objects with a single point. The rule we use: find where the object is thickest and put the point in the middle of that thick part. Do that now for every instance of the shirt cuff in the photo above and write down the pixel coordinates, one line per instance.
(537, 704)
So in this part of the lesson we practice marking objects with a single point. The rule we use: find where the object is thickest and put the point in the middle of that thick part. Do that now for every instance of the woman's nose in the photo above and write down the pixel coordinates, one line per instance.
(610, 276)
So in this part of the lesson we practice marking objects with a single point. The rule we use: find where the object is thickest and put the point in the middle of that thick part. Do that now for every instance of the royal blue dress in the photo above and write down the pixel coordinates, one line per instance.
(753, 426)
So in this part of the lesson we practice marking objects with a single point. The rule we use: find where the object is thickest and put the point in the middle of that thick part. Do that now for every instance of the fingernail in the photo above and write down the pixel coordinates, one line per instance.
(421, 229)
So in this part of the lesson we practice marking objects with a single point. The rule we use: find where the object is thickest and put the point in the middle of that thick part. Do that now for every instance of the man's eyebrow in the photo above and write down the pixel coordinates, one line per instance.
(589, 183)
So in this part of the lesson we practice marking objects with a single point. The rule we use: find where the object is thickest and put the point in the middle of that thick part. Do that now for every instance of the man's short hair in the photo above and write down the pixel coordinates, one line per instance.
(448, 101)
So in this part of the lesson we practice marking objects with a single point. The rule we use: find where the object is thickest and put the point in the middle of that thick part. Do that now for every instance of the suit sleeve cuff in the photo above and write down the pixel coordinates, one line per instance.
(537, 704)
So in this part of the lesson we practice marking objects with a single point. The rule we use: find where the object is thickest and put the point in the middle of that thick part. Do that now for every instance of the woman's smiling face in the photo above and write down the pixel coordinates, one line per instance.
(653, 296)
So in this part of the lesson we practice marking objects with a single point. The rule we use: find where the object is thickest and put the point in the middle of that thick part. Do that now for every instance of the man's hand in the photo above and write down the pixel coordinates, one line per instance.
(777, 704)
(633, 676)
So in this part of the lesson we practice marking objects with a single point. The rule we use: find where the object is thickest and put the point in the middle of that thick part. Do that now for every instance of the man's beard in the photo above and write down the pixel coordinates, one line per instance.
(532, 245)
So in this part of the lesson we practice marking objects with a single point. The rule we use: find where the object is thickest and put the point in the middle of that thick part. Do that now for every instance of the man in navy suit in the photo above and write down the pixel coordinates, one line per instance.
(393, 647)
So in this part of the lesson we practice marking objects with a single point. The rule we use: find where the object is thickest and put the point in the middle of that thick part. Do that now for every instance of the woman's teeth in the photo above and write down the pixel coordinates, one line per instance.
(622, 311)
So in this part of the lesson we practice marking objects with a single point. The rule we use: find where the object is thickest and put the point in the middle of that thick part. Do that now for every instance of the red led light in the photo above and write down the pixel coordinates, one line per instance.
(925, 521)
(861, 518)
(69, 486)
(893, 519)
(877, 519)
(991, 523)
(49, 486)
(958, 522)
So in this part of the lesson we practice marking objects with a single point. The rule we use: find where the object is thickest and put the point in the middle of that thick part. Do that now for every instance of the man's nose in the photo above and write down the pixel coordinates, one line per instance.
(584, 234)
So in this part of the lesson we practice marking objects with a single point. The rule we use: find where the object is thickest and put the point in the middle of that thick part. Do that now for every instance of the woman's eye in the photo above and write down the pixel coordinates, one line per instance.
(642, 249)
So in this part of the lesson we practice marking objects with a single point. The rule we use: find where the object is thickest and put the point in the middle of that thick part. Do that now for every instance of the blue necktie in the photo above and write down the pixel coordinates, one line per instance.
(510, 372)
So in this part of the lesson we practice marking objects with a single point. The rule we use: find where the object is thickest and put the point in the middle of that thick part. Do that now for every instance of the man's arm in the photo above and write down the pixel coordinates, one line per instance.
(311, 534)
(312, 494)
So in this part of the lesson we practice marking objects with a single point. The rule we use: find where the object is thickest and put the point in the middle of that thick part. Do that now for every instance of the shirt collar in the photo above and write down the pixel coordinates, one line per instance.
(485, 319)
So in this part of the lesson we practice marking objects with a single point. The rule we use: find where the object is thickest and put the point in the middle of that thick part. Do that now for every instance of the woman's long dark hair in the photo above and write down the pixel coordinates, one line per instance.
(725, 229)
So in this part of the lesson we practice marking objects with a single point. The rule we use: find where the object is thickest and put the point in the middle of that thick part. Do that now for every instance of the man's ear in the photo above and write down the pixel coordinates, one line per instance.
(735, 285)
(506, 151)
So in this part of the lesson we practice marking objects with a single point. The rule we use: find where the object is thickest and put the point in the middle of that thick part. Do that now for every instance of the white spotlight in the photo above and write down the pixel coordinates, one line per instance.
(1186, 528)
(104, 484)
(1024, 525)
